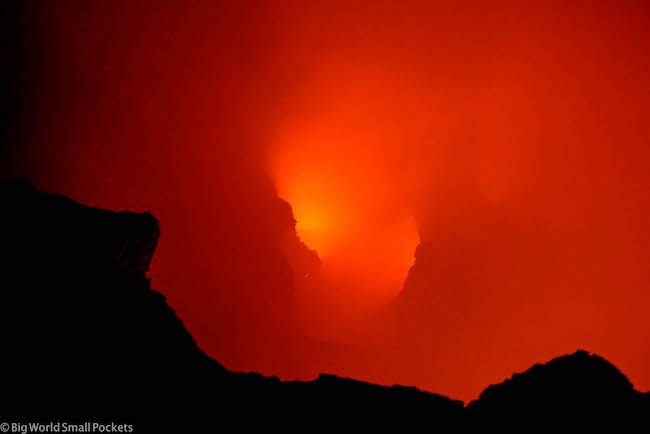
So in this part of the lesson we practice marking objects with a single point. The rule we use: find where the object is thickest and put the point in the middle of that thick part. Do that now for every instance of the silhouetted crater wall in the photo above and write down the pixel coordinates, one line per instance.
(84, 336)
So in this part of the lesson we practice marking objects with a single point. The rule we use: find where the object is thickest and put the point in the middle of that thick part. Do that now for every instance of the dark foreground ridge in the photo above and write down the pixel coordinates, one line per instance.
(84, 337)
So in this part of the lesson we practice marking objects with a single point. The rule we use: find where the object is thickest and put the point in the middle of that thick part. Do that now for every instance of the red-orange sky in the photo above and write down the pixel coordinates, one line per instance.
(468, 181)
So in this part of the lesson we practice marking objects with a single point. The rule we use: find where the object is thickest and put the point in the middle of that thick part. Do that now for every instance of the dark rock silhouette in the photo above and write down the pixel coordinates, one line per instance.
(84, 337)
(577, 387)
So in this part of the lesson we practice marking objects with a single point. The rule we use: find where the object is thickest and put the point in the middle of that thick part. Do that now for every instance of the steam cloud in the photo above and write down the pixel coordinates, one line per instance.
(433, 195)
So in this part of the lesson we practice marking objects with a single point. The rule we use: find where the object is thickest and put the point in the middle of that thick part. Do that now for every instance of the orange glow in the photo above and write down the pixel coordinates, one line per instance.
(334, 165)
(473, 176)
(336, 181)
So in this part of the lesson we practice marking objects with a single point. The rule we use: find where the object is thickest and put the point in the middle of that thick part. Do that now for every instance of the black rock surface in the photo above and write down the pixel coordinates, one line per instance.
(84, 337)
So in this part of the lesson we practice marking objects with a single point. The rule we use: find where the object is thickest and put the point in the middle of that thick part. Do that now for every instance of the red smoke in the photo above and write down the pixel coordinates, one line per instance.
(508, 142)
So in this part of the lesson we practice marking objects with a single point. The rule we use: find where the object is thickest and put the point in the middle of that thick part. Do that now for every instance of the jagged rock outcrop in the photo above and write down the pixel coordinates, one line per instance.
(85, 337)
(577, 387)
(82, 332)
